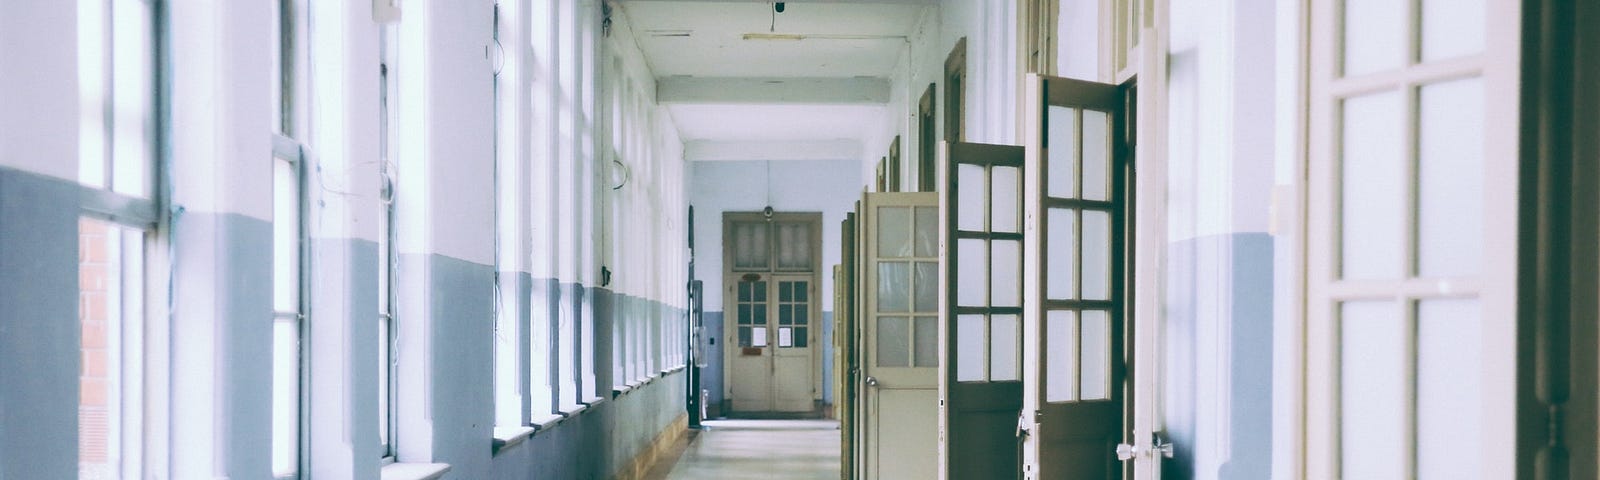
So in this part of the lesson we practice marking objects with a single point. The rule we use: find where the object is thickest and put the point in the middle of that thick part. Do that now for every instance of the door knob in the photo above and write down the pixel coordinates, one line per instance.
(872, 381)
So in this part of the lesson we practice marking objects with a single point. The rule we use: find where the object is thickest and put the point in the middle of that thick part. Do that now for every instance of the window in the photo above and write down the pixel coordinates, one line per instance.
(508, 237)
(955, 84)
(926, 143)
(118, 139)
(892, 170)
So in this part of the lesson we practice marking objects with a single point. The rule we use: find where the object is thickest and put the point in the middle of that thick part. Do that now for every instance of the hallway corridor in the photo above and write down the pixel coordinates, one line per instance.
(766, 449)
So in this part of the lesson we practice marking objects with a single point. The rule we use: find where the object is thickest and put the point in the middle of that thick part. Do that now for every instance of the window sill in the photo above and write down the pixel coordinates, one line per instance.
(573, 411)
(547, 421)
(414, 471)
(506, 437)
(591, 402)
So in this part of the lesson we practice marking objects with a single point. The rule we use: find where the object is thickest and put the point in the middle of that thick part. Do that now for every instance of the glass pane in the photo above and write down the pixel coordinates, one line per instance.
(894, 232)
(1451, 28)
(894, 287)
(1373, 378)
(894, 342)
(794, 246)
(1374, 36)
(785, 314)
(744, 291)
(784, 292)
(1449, 360)
(108, 273)
(1061, 252)
(801, 338)
(971, 195)
(744, 337)
(750, 245)
(760, 316)
(285, 237)
(927, 232)
(1061, 355)
(1096, 375)
(1450, 184)
(927, 342)
(1007, 196)
(1374, 186)
(970, 343)
(133, 113)
(1061, 137)
(744, 315)
(1005, 276)
(1005, 348)
(93, 93)
(1096, 155)
(383, 381)
(972, 272)
(927, 284)
(800, 290)
(800, 314)
(1096, 255)
(285, 396)
(759, 291)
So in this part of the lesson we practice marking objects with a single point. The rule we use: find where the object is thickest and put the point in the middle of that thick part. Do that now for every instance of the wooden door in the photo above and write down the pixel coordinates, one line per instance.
(901, 344)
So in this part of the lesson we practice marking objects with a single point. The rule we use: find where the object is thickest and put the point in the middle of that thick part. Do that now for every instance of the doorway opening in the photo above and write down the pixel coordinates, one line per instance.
(770, 273)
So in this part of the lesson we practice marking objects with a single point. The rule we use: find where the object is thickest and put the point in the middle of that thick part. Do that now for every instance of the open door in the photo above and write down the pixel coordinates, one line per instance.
(844, 346)
(1075, 315)
(981, 246)
(901, 294)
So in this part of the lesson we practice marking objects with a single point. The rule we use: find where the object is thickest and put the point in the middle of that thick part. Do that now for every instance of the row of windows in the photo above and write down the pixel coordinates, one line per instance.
(547, 222)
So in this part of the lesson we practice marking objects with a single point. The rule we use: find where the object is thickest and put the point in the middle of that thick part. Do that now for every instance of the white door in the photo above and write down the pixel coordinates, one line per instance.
(772, 309)
(1411, 228)
(901, 316)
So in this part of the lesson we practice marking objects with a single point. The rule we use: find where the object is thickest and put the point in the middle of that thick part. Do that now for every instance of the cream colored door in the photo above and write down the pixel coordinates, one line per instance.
(1410, 232)
(981, 379)
(772, 310)
(901, 318)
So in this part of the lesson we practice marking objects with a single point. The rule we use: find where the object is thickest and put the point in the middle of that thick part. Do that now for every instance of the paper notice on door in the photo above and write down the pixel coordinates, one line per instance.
(758, 336)
(785, 337)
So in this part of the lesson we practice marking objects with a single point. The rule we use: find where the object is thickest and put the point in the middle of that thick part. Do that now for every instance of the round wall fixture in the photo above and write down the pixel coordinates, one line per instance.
(620, 175)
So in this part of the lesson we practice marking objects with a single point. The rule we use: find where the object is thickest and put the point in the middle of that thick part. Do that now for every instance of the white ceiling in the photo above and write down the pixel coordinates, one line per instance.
(715, 45)
(766, 123)
(707, 39)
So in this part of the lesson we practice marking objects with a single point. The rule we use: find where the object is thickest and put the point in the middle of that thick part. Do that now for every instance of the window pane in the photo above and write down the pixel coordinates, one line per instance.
(927, 336)
(970, 348)
(750, 245)
(971, 195)
(1007, 196)
(1063, 142)
(894, 287)
(1372, 380)
(133, 114)
(1060, 252)
(1449, 360)
(1096, 255)
(1450, 171)
(1374, 36)
(1096, 360)
(383, 382)
(94, 93)
(1005, 346)
(1096, 155)
(894, 342)
(794, 246)
(927, 282)
(894, 232)
(1452, 28)
(285, 395)
(285, 237)
(972, 272)
(110, 274)
(1005, 279)
(1061, 355)
(1374, 176)
(927, 232)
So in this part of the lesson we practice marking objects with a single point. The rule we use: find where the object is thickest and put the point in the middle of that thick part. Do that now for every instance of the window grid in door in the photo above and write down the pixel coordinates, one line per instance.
(1396, 209)
(752, 313)
(794, 310)
(986, 269)
(1079, 229)
(907, 304)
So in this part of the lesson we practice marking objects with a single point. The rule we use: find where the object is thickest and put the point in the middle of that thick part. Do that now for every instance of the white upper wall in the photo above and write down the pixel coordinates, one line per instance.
(39, 87)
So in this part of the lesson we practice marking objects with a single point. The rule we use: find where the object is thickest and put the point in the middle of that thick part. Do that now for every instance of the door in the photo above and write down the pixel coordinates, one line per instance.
(844, 347)
(981, 381)
(901, 345)
(771, 281)
(1074, 319)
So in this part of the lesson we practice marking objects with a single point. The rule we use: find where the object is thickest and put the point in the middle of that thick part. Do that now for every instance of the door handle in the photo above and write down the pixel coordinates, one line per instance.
(1158, 445)
(872, 381)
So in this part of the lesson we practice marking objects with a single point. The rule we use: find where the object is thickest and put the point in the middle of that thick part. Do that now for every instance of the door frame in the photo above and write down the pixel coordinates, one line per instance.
(729, 275)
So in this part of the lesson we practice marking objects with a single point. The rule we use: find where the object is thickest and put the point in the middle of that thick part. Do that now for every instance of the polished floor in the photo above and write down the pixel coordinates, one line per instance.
(764, 449)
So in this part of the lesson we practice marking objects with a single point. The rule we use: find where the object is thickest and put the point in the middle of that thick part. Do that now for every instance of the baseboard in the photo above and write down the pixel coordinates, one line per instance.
(641, 463)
